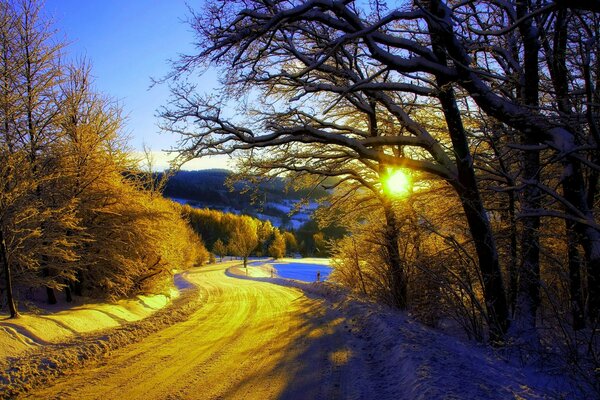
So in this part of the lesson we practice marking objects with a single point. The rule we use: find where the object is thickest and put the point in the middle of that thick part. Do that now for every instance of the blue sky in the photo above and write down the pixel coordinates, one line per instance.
(128, 42)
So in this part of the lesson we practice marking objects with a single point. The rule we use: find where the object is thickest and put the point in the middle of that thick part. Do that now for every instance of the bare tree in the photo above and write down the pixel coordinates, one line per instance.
(302, 55)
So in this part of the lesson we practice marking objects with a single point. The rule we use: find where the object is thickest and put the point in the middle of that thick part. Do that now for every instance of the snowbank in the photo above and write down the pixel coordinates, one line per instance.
(63, 322)
(415, 362)
(45, 346)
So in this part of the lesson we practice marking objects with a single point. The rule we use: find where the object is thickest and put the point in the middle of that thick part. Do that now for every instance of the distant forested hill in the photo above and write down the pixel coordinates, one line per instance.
(207, 188)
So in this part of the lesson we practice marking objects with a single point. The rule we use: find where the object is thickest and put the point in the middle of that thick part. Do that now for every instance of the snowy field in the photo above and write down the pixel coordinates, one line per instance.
(304, 269)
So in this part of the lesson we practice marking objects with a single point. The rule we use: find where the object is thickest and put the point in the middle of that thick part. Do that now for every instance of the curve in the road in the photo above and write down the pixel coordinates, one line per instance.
(250, 340)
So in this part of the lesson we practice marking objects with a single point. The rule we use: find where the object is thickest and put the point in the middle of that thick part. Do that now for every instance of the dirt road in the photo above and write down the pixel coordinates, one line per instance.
(250, 340)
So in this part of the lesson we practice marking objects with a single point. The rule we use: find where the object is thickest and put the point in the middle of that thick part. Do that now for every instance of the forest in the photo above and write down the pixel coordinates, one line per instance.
(218, 200)
(489, 108)
(77, 214)
(224, 190)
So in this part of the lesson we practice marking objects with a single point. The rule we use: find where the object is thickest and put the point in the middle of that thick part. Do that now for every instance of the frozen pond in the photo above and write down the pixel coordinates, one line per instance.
(302, 270)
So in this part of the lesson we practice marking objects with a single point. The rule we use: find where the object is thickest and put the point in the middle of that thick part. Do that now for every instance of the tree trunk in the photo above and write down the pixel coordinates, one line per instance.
(592, 247)
(479, 224)
(68, 294)
(245, 261)
(358, 268)
(14, 313)
(528, 293)
(489, 265)
(51, 296)
(513, 275)
(468, 191)
(588, 237)
(78, 284)
(574, 188)
(477, 219)
(575, 268)
(397, 273)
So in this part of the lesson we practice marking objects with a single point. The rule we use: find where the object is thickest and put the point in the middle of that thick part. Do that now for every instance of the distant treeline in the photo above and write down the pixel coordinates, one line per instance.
(244, 236)
(210, 191)
(70, 218)
(210, 188)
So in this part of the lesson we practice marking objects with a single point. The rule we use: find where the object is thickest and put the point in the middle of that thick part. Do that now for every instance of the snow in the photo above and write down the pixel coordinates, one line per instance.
(305, 270)
(53, 324)
(416, 362)
(289, 206)
(61, 348)
(297, 217)
(371, 351)
(285, 206)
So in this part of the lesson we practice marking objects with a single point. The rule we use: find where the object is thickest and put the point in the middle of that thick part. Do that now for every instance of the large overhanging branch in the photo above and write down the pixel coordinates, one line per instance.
(251, 31)
(255, 30)
(424, 140)
(216, 136)
(516, 116)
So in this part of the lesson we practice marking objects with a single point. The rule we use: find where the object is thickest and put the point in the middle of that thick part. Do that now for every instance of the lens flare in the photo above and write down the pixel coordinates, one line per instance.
(397, 183)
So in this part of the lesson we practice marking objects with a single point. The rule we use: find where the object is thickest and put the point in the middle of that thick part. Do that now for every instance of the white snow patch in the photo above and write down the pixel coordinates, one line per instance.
(61, 322)
(416, 362)
(283, 207)
(70, 349)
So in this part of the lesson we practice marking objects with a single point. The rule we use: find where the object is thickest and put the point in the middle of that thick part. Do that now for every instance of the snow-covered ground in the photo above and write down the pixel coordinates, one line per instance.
(38, 347)
(417, 362)
(238, 333)
(53, 324)
(305, 269)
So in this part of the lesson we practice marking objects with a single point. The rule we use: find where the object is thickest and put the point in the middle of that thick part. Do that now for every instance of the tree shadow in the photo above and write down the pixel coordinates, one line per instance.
(61, 324)
(26, 332)
(321, 361)
(120, 320)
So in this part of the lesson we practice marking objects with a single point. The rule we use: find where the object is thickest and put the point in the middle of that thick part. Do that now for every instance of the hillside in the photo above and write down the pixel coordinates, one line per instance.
(270, 201)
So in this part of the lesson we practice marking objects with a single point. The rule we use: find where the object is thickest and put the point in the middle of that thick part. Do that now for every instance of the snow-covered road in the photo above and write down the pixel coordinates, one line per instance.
(251, 340)
(253, 337)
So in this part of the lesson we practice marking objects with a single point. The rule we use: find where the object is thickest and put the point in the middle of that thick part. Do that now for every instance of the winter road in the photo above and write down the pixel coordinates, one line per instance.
(250, 340)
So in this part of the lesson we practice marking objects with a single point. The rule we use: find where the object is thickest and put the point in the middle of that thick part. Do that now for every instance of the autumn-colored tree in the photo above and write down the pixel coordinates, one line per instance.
(265, 233)
(34, 220)
(133, 237)
(75, 211)
(244, 238)
(277, 246)
(291, 245)
(219, 249)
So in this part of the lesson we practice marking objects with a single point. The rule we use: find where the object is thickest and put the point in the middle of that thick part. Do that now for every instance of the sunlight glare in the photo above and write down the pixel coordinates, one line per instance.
(397, 183)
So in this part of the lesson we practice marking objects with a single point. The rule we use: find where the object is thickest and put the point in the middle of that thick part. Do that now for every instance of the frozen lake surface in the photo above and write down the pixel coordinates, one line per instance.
(302, 271)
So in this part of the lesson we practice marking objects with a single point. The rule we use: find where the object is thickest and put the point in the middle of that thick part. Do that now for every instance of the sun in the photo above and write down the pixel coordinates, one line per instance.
(397, 183)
